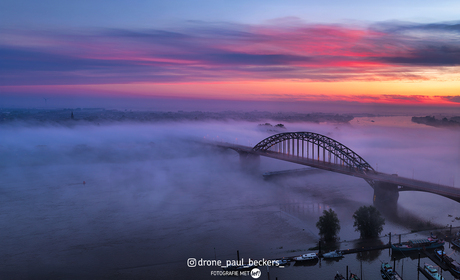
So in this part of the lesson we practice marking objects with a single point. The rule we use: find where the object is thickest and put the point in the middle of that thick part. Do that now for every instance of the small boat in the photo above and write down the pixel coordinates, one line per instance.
(244, 267)
(417, 244)
(339, 276)
(388, 273)
(247, 267)
(306, 257)
(354, 277)
(333, 254)
(451, 263)
(433, 272)
(281, 262)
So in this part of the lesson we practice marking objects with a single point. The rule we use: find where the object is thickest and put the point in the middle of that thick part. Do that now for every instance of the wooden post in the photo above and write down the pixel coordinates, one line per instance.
(402, 269)
(319, 249)
(418, 270)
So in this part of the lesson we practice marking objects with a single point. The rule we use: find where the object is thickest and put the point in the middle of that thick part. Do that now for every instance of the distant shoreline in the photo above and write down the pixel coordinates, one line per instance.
(432, 121)
(100, 115)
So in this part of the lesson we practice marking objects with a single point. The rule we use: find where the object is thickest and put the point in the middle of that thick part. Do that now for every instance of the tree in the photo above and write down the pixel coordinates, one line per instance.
(368, 221)
(328, 225)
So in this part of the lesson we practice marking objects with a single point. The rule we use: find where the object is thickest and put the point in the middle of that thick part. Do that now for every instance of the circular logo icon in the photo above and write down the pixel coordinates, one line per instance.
(191, 262)
(255, 273)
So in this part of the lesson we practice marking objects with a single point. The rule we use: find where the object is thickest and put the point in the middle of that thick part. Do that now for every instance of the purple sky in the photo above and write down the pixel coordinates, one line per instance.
(95, 53)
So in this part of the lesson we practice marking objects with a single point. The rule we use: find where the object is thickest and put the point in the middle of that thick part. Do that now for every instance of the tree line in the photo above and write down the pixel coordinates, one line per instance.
(367, 220)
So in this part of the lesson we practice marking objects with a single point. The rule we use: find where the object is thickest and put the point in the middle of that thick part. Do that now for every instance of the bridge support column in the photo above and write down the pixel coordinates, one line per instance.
(386, 196)
(249, 161)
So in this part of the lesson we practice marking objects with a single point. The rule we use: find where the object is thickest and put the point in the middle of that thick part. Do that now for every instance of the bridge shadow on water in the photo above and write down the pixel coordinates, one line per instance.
(407, 218)
(387, 203)
(315, 202)
(305, 196)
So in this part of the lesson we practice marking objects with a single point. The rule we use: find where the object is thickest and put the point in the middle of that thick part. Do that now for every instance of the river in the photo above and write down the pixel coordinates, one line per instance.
(152, 199)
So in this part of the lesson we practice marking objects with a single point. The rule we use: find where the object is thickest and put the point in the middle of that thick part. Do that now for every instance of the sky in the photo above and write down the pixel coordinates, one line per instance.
(355, 52)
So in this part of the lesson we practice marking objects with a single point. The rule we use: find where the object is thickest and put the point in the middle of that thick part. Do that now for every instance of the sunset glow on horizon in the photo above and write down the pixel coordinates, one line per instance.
(290, 59)
(422, 92)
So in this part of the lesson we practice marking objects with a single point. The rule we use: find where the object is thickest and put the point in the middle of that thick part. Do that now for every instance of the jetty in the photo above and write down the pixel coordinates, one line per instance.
(435, 259)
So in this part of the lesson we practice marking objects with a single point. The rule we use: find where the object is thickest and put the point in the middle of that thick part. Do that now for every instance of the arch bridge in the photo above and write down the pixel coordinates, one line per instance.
(319, 151)
(315, 146)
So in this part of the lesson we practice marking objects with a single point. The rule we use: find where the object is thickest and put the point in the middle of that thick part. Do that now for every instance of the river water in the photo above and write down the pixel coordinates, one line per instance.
(152, 199)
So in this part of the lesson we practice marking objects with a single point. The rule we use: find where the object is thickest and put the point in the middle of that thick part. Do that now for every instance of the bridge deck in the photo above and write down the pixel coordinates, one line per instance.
(404, 183)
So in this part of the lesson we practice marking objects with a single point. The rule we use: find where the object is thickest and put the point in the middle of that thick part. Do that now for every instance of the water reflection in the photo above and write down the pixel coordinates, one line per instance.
(406, 217)
(396, 255)
(368, 256)
(303, 208)
(307, 263)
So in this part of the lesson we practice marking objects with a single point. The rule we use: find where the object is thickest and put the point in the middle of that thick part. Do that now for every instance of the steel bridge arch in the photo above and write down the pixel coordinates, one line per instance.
(345, 154)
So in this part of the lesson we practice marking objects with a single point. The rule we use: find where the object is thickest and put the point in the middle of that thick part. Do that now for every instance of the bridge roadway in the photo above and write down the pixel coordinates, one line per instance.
(404, 184)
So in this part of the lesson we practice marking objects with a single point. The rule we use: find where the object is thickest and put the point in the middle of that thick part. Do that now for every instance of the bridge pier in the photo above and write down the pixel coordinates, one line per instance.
(386, 196)
(249, 161)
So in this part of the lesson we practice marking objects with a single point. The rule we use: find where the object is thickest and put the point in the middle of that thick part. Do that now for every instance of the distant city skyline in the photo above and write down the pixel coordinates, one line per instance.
(85, 52)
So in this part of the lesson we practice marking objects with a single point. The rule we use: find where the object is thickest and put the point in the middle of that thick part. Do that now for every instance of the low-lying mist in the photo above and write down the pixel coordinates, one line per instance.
(116, 200)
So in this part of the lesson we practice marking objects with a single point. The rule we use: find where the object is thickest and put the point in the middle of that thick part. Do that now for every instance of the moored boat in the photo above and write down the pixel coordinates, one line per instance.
(244, 267)
(451, 263)
(417, 244)
(433, 272)
(333, 254)
(339, 276)
(281, 262)
(388, 273)
(306, 257)
(354, 277)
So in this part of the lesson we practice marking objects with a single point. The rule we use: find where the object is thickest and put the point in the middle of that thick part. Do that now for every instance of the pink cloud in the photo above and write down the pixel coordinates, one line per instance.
(227, 52)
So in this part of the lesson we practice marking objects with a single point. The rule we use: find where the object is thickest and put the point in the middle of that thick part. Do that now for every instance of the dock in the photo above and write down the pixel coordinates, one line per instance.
(441, 264)
(364, 249)
(347, 251)
(437, 261)
(426, 274)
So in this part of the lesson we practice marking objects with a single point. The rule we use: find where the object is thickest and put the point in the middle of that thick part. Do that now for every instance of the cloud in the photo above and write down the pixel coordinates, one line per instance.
(222, 52)
(455, 99)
